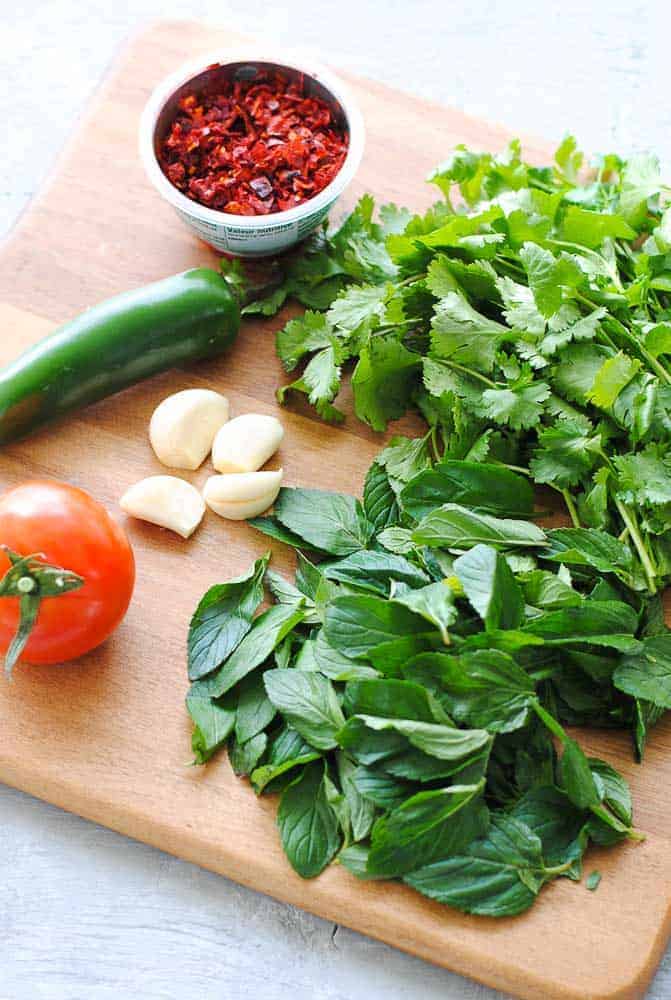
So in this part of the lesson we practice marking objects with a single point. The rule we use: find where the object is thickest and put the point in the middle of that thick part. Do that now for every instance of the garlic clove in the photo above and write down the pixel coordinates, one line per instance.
(239, 495)
(167, 501)
(246, 443)
(184, 425)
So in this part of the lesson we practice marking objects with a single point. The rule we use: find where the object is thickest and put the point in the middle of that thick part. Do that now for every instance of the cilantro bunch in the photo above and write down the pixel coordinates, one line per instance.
(407, 692)
(527, 315)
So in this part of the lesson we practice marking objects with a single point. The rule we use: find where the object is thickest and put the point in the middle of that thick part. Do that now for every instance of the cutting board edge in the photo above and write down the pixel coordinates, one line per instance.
(470, 962)
(157, 834)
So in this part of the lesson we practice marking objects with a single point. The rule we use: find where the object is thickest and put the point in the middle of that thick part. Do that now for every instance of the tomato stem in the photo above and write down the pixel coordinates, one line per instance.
(31, 580)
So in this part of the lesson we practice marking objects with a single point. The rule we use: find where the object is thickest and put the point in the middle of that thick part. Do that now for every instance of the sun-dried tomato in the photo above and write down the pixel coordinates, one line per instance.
(252, 147)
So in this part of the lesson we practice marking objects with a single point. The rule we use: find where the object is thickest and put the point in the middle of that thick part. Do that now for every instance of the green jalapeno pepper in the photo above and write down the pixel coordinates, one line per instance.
(188, 317)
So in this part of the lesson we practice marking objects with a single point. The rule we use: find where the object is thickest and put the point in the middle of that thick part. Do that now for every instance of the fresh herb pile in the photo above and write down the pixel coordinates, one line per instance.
(530, 324)
(407, 693)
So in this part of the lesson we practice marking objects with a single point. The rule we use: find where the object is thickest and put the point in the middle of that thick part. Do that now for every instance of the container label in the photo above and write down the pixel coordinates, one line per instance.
(255, 241)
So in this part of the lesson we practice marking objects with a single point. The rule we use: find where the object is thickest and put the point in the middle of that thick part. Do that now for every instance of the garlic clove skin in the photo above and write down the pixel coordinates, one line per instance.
(167, 501)
(237, 496)
(184, 425)
(246, 443)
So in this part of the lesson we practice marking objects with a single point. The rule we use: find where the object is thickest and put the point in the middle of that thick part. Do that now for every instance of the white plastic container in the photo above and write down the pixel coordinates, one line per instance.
(243, 235)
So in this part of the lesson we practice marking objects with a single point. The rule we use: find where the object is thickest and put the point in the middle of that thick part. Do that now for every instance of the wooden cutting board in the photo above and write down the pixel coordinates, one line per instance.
(108, 737)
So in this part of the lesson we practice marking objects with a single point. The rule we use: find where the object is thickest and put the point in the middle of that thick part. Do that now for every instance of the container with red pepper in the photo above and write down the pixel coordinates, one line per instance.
(252, 154)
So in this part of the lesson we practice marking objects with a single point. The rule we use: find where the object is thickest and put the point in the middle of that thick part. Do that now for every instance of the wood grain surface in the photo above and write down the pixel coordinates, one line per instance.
(108, 737)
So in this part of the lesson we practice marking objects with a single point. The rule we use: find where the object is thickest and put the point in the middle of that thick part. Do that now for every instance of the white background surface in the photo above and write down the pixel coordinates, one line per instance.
(84, 913)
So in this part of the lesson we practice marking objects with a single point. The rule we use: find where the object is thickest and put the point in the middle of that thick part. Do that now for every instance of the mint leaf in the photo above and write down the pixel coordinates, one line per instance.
(485, 689)
(499, 875)
(454, 526)
(223, 618)
(308, 703)
(588, 547)
(331, 521)
(427, 825)
(357, 625)
(485, 488)
(491, 587)
(647, 674)
(379, 499)
(308, 825)
(267, 632)
(213, 723)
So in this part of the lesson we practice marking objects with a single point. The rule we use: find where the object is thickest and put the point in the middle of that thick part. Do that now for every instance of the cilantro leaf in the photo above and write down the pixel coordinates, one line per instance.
(517, 407)
(569, 159)
(566, 453)
(547, 274)
(384, 380)
(640, 180)
(577, 368)
(591, 228)
(300, 336)
(520, 309)
(393, 219)
(320, 382)
(566, 330)
(644, 477)
(459, 332)
(613, 375)
(357, 305)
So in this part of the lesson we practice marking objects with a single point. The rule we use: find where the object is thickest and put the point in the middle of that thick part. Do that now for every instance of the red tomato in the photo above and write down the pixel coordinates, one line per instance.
(73, 531)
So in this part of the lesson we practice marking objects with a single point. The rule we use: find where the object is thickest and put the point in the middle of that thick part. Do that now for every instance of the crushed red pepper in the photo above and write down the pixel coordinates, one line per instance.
(252, 147)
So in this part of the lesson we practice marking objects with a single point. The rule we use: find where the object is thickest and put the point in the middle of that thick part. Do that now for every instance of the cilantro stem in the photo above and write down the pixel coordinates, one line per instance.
(634, 533)
(515, 468)
(386, 327)
(568, 500)
(543, 675)
(631, 340)
(434, 442)
(471, 372)
(534, 182)
(507, 266)
(557, 869)
(586, 252)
